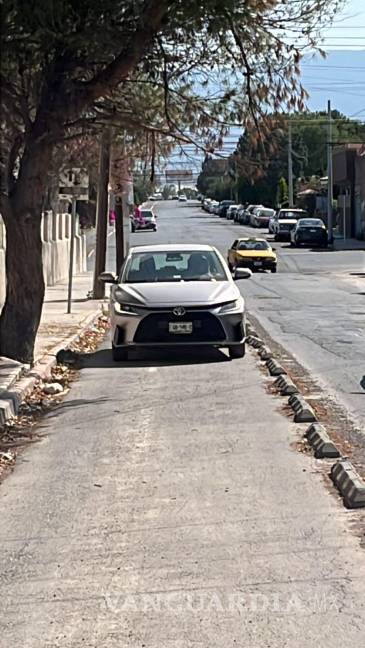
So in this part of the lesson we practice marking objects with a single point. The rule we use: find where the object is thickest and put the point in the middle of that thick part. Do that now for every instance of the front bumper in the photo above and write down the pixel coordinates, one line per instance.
(150, 327)
(257, 264)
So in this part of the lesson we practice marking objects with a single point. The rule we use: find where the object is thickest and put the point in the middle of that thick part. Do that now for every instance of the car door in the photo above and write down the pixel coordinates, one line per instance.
(232, 253)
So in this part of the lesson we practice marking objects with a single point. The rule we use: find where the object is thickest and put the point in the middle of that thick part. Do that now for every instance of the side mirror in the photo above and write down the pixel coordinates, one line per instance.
(108, 277)
(242, 273)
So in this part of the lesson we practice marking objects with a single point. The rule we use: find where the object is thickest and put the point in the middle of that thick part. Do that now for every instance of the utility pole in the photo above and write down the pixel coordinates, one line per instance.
(329, 175)
(72, 254)
(102, 214)
(290, 166)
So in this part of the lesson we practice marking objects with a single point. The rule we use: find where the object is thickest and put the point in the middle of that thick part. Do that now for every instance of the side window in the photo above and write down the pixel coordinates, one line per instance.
(234, 245)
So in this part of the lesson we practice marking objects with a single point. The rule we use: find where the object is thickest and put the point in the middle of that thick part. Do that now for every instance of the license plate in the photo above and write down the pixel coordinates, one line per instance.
(313, 231)
(257, 263)
(181, 328)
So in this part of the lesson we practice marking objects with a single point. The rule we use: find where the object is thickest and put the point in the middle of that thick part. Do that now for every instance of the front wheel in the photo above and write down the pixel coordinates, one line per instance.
(273, 269)
(119, 353)
(237, 351)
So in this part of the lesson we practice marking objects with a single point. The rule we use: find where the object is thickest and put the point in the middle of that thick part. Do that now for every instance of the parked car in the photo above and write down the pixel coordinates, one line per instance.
(309, 231)
(213, 205)
(182, 198)
(144, 219)
(156, 196)
(223, 206)
(253, 253)
(216, 209)
(235, 213)
(240, 215)
(230, 211)
(261, 216)
(206, 203)
(285, 220)
(174, 295)
(247, 215)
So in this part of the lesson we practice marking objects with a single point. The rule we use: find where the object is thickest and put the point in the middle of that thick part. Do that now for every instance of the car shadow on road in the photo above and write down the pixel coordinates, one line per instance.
(153, 358)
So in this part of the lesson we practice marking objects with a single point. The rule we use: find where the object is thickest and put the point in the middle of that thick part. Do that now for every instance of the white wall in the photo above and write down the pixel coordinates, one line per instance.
(55, 231)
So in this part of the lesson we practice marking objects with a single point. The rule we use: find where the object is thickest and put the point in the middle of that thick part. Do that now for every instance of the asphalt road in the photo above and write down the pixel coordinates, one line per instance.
(314, 306)
(167, 506)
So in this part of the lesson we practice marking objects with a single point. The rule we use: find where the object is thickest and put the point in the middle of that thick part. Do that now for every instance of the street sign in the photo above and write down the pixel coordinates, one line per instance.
(74, 182)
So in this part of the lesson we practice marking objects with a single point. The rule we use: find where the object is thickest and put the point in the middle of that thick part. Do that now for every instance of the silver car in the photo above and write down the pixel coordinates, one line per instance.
(171, 295)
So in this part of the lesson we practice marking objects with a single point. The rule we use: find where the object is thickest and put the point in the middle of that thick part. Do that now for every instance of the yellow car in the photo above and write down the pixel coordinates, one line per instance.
(253, 253)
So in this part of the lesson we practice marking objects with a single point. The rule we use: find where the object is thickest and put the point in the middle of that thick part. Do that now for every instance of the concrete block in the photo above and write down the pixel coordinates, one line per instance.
(286, 385)
(303, 412)
(349, 483)
(274, 367)
(254, 341)
(265, 353)
(320, 442)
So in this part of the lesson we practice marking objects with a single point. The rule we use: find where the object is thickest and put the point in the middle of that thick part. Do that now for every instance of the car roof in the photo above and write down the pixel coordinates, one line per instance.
(179, 247)
(292, 209)
(252, 238)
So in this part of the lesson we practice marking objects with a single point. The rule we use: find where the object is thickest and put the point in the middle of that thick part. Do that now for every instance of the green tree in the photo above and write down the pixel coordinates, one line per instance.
(282, 191)
(67, 67)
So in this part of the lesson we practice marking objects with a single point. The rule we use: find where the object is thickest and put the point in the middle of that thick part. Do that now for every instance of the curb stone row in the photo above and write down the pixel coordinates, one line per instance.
(343, 474)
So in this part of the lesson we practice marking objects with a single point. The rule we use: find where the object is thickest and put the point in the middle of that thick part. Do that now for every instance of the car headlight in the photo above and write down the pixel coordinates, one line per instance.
(232, 306)
(124, 308)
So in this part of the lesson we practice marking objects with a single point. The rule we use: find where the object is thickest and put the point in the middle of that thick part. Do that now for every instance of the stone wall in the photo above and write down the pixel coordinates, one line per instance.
(55, 230)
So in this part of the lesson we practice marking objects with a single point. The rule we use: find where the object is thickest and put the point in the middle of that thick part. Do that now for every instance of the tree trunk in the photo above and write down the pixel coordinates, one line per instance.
(21, 313)
(22, 310)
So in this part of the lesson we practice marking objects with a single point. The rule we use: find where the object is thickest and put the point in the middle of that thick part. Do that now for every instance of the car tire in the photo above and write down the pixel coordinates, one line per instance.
(119, 353)
(237, 351)
(133, 229)
(276, 238)
(292, 244)
(274, 269)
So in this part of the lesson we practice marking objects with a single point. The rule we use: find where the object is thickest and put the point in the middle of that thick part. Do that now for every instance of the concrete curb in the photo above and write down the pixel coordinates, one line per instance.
(286, 386)
(349, 483)
(11, 399)
(275, 368)
(265, 353)
(320, 442)
(254, 341)
(303, 412)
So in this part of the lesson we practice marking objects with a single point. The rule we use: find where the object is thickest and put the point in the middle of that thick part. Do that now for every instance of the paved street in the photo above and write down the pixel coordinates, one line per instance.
(166, 506)
(314, 305)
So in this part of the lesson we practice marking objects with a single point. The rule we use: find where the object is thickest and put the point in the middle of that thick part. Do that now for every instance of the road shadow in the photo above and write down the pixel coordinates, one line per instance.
(153, 358)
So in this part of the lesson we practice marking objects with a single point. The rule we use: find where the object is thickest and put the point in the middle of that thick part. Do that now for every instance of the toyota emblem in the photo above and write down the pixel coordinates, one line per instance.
(179, 311)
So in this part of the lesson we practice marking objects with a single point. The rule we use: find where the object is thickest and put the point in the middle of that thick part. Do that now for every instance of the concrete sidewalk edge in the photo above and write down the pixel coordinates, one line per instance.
(11, 399)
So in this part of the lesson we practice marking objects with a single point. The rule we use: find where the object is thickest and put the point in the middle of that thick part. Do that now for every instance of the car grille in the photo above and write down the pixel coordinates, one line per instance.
(154, 328)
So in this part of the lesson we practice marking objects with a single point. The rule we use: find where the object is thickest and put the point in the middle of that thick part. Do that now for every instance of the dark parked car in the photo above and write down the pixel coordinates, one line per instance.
(309, 231)
(224, 206)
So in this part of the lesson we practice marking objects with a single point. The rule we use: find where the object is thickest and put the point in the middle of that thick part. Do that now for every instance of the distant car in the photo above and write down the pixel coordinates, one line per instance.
(240, 215)
(235, 212)
(174, 296)
(284, 221)
(212, 206)
(253, 253)
(261, 216)
(206, 203)
(309, 231)
(145, 220)
(246, 218)
(223, 206)
(230, 211)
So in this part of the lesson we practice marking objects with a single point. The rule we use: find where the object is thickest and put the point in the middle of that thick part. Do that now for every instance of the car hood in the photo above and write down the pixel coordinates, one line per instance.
(268, 254)
(182, 293)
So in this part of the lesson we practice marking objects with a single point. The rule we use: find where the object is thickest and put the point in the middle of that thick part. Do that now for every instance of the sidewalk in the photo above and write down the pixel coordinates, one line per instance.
(348, 244)
(56, 330)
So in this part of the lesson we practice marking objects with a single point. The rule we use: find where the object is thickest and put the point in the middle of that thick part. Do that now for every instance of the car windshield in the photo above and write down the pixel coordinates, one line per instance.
(253, 245)
(292, 214)
(147, 214)
(188, 265)
(266, 212)
(310, 222)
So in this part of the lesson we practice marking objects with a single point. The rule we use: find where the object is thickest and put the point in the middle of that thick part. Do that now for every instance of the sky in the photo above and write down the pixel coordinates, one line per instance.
(348, 29)
(339, 78)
